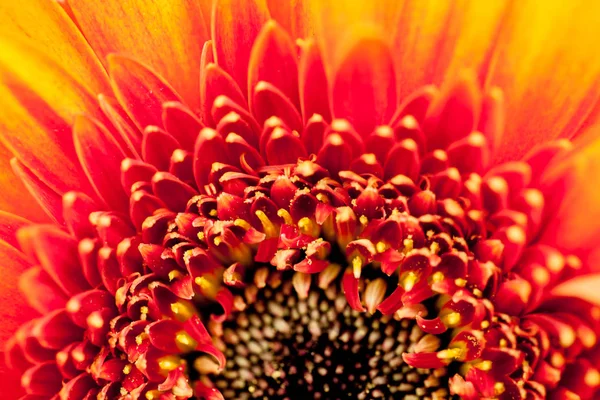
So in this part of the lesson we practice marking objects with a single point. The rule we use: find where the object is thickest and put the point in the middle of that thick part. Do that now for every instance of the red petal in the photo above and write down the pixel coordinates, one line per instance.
(350, 287)
(139, 90)
(313, 83)
(273, 59)
(48, 199)
(210, 148)
(172, 191)
(56, 251)
(453, 114)
(364, 86)
(235, 26)
(41, 291)
(157, 147)
(216, 82)
(100, 156)
(269, 101)
(181, 123)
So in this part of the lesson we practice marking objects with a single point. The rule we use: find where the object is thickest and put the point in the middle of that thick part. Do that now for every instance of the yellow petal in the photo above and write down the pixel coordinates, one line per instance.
(546, 64)
(38, 103)
(167, 35)
(44, 25)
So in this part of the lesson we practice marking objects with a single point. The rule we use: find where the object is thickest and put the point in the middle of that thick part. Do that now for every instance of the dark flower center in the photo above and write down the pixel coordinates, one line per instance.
(287, 347)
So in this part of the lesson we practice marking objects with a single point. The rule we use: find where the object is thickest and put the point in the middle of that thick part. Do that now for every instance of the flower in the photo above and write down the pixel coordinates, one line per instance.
(300, 200)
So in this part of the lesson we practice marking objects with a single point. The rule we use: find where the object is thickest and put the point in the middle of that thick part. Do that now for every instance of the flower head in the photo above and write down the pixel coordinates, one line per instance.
(316, 215)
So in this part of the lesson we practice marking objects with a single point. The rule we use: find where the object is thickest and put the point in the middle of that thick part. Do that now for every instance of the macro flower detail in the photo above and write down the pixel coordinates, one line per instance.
(259, 208)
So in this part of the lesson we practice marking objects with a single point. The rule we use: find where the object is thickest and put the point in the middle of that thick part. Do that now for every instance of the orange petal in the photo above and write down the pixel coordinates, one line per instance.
(584, 287)
(39, 100)
(313, 83)
(273, 59)
(17, 200)
(139, 90)
(364, 85)
(216, 82)
(573, 224)
(235, 26)
(45, 25)
(9, 225)
(293, 16)
(167, 35)
(15, 310)
(454, 113)
(100, 157)
(549, 76)
(49, 200)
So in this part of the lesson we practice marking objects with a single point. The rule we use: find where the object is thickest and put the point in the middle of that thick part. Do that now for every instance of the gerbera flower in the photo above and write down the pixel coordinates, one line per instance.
(299, 200)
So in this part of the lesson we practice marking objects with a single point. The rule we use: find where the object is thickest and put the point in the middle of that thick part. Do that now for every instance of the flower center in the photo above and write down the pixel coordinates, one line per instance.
(285, 346)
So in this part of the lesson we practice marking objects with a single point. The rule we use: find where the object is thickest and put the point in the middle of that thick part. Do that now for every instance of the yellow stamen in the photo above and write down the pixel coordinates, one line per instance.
(485, 365)
(460, 282)
(127, 369)
(409, 280)
(242, 223)
(452, 319)
(307, 226)
(174, 274)
(201, 236)
(287, 218)
(268, 226)
(185, 342)
(181, 311)
(357, 264)
(437, 277)
(381, 247)
(144, 313)
(169, 363)
(213, 213)
(408, 244)
(363, 220)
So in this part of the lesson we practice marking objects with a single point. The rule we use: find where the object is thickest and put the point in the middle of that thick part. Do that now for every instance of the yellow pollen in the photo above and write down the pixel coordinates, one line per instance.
(408, 282)
(357, 264)
(437, 277)
(95, 320)
(201, 235)
(322, 198)
(242, 223)
(127, 369)
(408, 244)
(218, 240)
(139, 339)
(451, 319)
(450, 354)
(174, 274)
(381, 247)
(477, 292)
(144, 312)
(485, 325)
(503, 343)
(306, 226)
(592, 378)
(267, 224)
(287, 218)
(153, 395)
(185, 341)
(213, 213)
(363, 220)
(485, 365)
(169, 363)
(499, 388)
(181, 310)
(434, 248)
(460, 282)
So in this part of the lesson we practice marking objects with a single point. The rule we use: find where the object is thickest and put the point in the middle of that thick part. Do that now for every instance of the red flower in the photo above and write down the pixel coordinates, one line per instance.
(357, 213)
